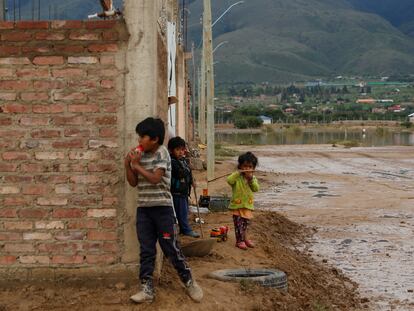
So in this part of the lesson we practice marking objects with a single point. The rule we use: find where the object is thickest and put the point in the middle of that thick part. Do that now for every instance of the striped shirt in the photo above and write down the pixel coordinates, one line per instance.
(158, 194)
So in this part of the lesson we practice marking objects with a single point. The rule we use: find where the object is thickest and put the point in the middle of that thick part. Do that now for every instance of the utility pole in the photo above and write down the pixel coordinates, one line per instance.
(2, 10)
(202, 95)
(209, 72)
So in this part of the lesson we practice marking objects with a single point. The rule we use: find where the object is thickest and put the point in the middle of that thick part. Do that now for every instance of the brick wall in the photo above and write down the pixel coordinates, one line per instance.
(61, 93)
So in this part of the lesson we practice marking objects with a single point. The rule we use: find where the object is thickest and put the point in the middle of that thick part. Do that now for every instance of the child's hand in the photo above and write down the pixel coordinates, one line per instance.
(135, 156)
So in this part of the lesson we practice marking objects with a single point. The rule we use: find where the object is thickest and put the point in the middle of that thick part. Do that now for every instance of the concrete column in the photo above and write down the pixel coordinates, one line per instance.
(141, 18)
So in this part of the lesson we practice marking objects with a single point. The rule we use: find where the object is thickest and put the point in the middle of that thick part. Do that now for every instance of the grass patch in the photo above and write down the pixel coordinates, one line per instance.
(222, 151)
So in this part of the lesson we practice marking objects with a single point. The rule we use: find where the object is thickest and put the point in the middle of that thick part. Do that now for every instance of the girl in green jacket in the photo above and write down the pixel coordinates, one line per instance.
(243, 184)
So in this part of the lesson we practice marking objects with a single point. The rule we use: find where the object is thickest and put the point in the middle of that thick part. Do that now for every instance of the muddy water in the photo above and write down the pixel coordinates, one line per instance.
(361, 201)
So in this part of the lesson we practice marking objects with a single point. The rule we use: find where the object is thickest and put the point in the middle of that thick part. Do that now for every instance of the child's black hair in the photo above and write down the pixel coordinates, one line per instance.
(153, 127)
(249, 158)
(176, 142)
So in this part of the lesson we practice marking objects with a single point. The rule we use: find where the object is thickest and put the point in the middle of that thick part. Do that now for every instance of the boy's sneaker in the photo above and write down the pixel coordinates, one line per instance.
(249, 243)
(146, 294)
(192, 234)
(194, 290)
(241, 245)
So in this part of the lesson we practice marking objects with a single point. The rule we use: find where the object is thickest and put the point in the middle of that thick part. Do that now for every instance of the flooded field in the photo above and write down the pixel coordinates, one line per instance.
(296, 136)
(361, 201)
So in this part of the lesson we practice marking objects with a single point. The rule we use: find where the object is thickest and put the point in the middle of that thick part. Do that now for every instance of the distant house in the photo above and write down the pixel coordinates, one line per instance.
(379, 110)
(411, 116)
(396, 108)
(290, 110)
(266, 120)
(366, 101)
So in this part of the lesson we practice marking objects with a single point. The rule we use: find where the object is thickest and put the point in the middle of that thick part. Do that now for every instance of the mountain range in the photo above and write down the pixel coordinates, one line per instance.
(280, 41)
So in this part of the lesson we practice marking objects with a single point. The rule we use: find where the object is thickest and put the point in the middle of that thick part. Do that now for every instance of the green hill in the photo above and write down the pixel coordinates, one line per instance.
(290, 40)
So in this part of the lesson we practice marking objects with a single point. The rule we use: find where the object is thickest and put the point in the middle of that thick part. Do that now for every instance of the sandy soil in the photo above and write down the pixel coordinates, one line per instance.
(338, 221)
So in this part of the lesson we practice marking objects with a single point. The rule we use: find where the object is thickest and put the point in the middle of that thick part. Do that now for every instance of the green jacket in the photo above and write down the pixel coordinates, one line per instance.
(242, 196)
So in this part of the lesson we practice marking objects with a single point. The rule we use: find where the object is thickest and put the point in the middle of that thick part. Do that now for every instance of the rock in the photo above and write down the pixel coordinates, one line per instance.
(120, 286)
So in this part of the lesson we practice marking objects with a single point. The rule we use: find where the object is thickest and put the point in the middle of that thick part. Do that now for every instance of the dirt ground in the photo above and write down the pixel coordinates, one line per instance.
(310, 197)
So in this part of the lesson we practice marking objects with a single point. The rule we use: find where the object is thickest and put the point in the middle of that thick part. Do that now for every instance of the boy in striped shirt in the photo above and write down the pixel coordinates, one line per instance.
(149, 171)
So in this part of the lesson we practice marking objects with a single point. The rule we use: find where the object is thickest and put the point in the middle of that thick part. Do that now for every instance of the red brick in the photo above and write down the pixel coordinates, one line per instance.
(102, 235)
(106, 120)
(110, 201)
(68, 73)
(34, 260)
(110, 247)
(68, 213)
(36, 236)
(33, 73)
(14, 61)
(54, 108)
(8, 213)
(82, 36)
(69, 144)
(32, 168)
(100, 24)
(16, 108)
(69, 24)
(33, 213)
(6, 72)
(18, 179)
(83, 224)
(69, 168)
(83, 108)
(13, 155)
(52, 179)
(110, 107)
(82, 60)
(15, 201)
(110, 35)
(5, 121)
(9, 50)
(29, 121)
(11, 133)
(99, 48)
(109, 223)
(48, 85)
(19, 248)
(90, 84)
(7, 96)
(7, 260)
(51, 36)
(45, 133)
(100, 259)
(69, 235)
(48, 60)
(84, 201)
(59, 248)
(49, 155)
(107, 60)
(83, 155)
(74, 132)
(102, 167)
(35, 189)
(67, 259)
(35, 49)
(69, 96)
(69, 48)
(15, 85)
(49, 225)
(52, 201)
(34, 96)
(16, 36)
(7, 167)
(6, 25)
(107, 84)
(32, 25)
(85, 179)
(18, 225)
(108, 132)
(10, 236)
(9, 189)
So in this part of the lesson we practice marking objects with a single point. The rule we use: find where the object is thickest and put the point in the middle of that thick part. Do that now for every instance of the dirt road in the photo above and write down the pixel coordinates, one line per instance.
(361, 200)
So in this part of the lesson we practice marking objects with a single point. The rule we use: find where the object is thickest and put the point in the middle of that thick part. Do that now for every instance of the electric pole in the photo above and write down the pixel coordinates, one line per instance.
(209, 74)
(202, 94)
(2, 10)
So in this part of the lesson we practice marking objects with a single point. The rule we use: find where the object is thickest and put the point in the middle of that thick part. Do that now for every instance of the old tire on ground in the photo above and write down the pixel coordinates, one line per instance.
(264, 277)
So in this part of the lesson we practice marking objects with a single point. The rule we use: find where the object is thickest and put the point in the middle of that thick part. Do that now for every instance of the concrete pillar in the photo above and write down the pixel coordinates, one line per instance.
(141, 18)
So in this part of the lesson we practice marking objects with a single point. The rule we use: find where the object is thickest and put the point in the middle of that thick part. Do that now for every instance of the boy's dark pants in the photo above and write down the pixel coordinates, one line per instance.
(181, 209)
(158, 223)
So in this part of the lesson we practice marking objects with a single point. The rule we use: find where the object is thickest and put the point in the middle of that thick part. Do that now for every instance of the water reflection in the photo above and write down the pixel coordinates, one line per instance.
(296, 136)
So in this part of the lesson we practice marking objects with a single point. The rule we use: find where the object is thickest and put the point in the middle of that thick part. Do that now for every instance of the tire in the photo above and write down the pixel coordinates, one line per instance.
(264, 277)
